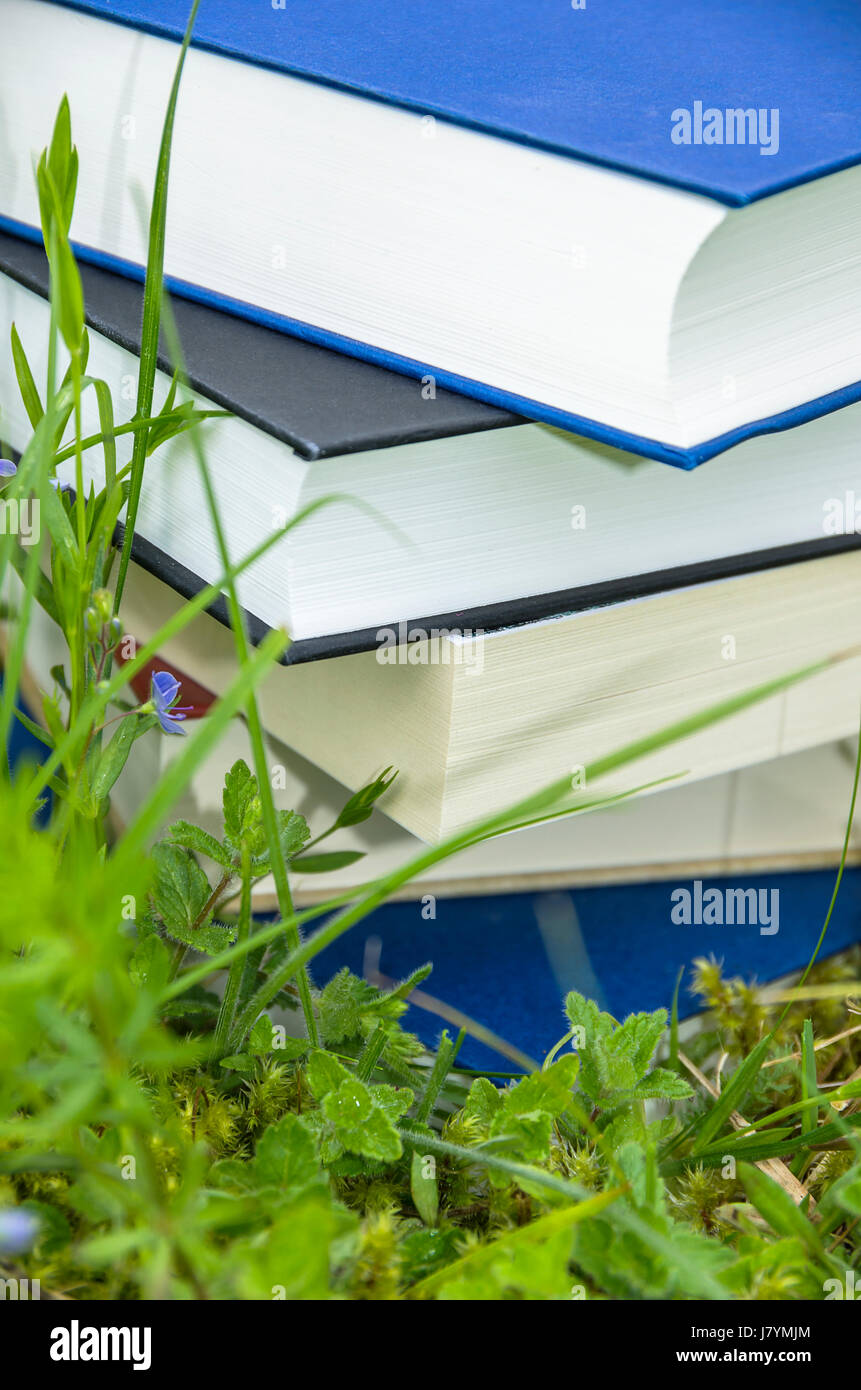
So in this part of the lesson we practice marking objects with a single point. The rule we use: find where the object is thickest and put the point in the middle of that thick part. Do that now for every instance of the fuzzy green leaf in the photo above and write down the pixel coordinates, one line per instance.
(362, 1118)
(180, 893)
(340, 1006)
(182, 832)
(243, 819)
(661, 1084)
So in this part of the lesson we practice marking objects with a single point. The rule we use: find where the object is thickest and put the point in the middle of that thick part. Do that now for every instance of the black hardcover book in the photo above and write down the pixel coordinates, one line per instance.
(450, 514)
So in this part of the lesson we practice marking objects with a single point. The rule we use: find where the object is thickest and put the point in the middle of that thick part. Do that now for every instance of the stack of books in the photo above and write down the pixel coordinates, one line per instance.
(561, 303)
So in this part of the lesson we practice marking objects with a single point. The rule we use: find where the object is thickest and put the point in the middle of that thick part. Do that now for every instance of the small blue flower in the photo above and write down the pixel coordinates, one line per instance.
(8, 469)
(164, 692)
(18, 1230)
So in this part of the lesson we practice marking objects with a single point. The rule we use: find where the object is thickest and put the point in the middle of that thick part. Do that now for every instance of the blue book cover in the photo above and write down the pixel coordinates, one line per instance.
(643, 89)
(507, 960)
(592, 80)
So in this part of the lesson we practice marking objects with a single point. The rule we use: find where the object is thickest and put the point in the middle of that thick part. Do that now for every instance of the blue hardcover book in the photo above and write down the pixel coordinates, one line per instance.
(636, 222)
(507, 961)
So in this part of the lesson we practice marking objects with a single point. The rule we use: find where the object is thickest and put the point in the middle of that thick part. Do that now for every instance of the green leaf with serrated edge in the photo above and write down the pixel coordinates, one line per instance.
(362, 1118)
(210, 940)
(483, 1102)
(399, 993)
(325, 1073)
(638, 1037)
(340, 1006)
(193, 837)
(590, 1027)
(523, 1136)
(243, 815)
(548, 1090)
(293, 832)
(615, 1069)
(662, 1084)
(180, 889)
(180, 893)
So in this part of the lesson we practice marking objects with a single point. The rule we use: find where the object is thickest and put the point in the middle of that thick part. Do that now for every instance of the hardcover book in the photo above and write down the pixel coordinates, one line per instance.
(476, 723)
(636, 222)
(450, 514)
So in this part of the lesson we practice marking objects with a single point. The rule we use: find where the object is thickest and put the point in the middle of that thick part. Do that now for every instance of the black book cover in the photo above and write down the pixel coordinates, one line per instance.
(314, 399)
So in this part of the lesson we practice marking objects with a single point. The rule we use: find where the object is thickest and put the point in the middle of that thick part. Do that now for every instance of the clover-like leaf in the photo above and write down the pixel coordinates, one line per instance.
(361, 1124)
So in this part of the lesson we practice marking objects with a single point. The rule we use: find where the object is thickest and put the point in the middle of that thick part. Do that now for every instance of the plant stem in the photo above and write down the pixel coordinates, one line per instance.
(234, 978)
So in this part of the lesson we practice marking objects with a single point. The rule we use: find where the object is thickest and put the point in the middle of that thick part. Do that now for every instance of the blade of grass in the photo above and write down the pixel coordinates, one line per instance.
(674, 1023)
(708, 1126)
(277, 862)
(809, 1083)
(839, 879)
(443, 1062)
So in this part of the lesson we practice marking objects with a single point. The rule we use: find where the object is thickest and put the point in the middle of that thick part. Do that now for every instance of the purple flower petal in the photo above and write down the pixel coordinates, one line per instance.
(170, 722)
(8, 469)
(165, 689)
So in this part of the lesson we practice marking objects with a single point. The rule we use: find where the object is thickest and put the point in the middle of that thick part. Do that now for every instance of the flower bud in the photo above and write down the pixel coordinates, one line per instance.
(92, 624)
(104, 604)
